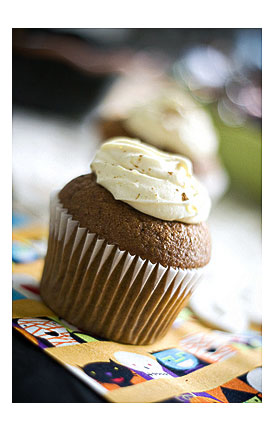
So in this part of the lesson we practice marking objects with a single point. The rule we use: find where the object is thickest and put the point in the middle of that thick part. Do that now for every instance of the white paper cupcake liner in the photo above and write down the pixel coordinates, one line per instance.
(108, 292)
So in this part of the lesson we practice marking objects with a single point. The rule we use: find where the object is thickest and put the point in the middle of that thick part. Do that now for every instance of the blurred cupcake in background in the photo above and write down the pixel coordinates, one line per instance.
(169, 119)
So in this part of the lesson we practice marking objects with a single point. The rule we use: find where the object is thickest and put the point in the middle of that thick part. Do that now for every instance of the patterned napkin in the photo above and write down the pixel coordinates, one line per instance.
(192, 363)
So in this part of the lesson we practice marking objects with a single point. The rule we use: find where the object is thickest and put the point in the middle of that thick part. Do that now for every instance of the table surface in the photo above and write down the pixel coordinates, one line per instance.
(32, 370)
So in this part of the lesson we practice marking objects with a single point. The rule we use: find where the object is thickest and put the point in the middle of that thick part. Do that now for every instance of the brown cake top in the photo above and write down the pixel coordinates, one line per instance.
(169, 243)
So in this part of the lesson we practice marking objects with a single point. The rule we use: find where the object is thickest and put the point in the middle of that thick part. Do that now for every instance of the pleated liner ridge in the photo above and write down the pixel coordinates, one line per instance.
(108, 292)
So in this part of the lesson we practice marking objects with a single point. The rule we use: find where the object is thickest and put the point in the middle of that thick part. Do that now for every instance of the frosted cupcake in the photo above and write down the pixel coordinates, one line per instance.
(174, 122)
(127, 243)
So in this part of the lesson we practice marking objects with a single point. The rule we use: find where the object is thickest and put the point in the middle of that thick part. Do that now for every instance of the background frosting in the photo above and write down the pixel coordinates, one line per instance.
(173, 121)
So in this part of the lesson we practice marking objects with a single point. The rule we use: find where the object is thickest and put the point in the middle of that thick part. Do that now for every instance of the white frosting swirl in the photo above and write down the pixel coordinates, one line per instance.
(151, 181)
(174, 122)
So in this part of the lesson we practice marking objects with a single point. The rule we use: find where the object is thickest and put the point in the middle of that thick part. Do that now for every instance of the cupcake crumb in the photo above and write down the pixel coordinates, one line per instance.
(184, 197)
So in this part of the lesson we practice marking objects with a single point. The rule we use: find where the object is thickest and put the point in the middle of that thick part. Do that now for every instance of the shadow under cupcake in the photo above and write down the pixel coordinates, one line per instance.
(127, 244)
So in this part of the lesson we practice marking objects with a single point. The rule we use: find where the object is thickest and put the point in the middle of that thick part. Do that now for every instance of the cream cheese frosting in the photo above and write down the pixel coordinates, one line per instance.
(154, 182)
(174, 122)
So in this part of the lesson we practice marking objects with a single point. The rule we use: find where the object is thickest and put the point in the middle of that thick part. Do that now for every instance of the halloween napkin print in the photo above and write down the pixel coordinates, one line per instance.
(192, 363)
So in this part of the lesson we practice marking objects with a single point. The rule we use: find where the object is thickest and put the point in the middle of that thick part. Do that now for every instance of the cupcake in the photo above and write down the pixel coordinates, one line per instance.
(172, 121)
(128, 243)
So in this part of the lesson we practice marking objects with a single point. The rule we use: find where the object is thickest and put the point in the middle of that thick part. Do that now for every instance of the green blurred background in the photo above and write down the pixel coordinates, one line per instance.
(241, 152)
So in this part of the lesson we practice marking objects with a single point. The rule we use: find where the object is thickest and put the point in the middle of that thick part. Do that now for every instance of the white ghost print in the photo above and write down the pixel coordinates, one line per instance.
(141, 363)
(254, 378)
